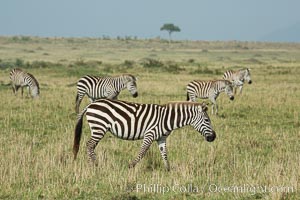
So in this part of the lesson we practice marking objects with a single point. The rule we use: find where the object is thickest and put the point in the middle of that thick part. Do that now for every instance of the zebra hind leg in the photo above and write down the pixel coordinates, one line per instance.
(91, 145)
(148, 140)
(163, 151)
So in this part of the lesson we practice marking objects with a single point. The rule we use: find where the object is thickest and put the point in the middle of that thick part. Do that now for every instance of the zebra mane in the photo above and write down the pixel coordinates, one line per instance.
(212, 80)
(184, 103)
(18, 69)
(126, 76)
(131, 76)
(187, 103)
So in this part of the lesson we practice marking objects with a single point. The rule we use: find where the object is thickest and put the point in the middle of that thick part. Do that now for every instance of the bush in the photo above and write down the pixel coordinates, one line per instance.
(173, 68)
(152, 63)
(19, 62)
(128, 63)
(191, 60)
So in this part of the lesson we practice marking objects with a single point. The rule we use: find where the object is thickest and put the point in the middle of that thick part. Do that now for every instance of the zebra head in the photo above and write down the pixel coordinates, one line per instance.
(229, 89)
(202, 123)
(247, 76)
(35, 91)
(131, 85)
(34, 86)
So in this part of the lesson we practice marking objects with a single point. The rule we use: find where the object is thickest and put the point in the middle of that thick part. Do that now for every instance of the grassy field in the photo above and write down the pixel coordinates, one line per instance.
(256, 154)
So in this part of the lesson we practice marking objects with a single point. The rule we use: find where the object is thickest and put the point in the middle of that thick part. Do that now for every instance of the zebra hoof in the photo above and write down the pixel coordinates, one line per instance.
(131, 165)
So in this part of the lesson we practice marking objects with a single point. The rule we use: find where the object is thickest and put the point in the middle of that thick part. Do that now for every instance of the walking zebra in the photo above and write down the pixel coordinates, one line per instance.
(238, 78)
(132, 121)
(209, 90)
(20, 78)
(104, 87)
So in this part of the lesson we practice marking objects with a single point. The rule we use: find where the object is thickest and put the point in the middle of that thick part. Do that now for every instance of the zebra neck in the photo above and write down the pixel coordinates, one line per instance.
(119, 84)
(219, 89)
(176, 116)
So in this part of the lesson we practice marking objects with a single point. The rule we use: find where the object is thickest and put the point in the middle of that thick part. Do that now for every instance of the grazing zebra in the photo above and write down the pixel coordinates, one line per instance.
(20, 78)
(209, 90)
(238, 78)
(132, 121)
(104, 87)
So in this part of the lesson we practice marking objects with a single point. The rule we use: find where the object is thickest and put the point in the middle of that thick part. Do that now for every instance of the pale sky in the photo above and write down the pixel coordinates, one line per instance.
(245, 20)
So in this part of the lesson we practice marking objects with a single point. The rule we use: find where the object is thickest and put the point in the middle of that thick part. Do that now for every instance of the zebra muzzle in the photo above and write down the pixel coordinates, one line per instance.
(249, 82)
(231, 98)
(135, 95)
(211, 137)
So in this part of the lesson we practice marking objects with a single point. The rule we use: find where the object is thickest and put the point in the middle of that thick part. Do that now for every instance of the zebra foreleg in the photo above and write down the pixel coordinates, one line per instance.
(234, 90)
(163, 151)
(28, 92)
(148, 140)
(241, 88)
(214, 106)
(14, 88)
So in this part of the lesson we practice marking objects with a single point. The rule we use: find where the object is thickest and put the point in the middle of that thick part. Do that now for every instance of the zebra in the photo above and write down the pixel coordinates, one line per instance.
(209, 90)
(238, 78)
(20, 78)
(104, 87)
(133, 121)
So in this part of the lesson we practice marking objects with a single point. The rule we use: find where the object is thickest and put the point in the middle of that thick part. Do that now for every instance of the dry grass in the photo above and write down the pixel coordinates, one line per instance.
(257, 135)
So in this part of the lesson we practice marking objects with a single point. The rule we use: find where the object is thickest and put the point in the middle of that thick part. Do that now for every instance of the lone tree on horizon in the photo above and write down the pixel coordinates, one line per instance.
(170, 28)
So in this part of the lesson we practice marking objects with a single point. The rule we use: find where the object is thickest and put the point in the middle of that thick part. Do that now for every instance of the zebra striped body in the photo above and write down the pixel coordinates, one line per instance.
(238, 78)
(104, 87)
(20, 78)
(132, 121)
(209, 90)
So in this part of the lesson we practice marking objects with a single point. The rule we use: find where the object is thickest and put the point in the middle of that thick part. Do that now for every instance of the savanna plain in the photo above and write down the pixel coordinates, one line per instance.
(256, 154)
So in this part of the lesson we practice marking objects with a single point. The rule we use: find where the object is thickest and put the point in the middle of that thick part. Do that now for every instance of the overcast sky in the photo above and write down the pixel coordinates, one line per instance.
(246, 20)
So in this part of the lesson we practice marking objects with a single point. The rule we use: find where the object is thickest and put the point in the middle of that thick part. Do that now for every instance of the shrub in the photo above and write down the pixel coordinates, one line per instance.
(19, 62)
(128, 63)
(152, 63)
(191, 60)
(173, 68)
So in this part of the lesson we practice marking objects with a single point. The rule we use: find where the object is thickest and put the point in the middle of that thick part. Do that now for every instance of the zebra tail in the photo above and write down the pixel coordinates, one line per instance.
(78, 133)
(77, 97)
(76, 103)
(187, 97)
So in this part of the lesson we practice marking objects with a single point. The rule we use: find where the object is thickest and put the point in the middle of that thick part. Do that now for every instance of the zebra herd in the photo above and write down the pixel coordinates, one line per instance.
(133, 121)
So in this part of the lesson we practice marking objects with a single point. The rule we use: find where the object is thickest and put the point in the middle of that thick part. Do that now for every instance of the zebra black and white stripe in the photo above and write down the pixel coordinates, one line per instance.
(20, 78)
(104, 87)
(132, 121)
(238, 78)
(209, 90)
